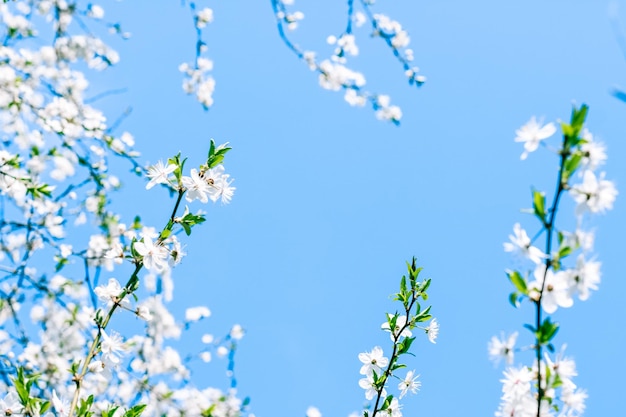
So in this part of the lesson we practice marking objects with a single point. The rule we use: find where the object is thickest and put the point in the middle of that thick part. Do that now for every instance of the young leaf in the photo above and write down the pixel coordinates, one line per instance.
(539, 205)
(518, 281)
(405, 345)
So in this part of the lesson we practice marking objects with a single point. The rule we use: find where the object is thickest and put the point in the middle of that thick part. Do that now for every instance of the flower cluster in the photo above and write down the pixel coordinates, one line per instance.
(210, 182)
(198, 80)
(378, 369)
(63, 248)
(334, 74)
(547, 388)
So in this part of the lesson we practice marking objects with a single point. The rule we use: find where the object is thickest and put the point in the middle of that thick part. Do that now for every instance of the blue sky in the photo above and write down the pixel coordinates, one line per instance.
(330, 202)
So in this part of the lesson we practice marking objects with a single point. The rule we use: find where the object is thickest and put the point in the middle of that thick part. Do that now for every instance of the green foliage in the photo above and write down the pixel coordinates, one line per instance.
(216, 155)
(84, 409)
(539, 205)
(135, 411)
(23, 383)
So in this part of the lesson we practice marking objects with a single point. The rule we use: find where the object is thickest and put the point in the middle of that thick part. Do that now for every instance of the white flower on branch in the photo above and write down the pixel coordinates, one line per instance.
(584, 278)
(594, 153)
(393, 410)
(399, 330)
(334, 76)
(385, 111)
(194, 314)
(112, 347)
(409, 384)
(163, 325)
(213, 184)
(516, 385)
(520, 243)
(555, 287)
(532, 133)
(63, 166)
(198, 81)
(144, 313)
(573, 401)
(237, 332)
(392, 29)
(204, 16)
(502, 348)
(10, 404)
(594, 194)
(154, 257)
(433, 331)
(562, 367)
(61, 405)
(159, 174)
(197, 187)
(111, 293)
(371, 390)
(373, 361)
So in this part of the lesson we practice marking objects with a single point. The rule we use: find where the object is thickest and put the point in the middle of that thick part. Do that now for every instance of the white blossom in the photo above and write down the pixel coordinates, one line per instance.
(193, 314)
(532, 133)
(594, 194)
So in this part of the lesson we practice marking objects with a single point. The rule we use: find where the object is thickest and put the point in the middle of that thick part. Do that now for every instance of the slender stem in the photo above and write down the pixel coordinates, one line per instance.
(350, 16)
(93, 350)
(549, 227)
(128, 288)
(393, 357)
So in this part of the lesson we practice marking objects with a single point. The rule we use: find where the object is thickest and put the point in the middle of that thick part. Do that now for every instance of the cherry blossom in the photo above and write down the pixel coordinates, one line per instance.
(532, 133)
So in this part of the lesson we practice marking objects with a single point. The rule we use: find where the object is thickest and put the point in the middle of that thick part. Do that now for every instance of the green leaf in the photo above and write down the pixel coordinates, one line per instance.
(514, 299)
(110, 412)
(398, 366)
(547, 331)
(60, 264)
(567, 130)
(85, 407)
(215, 161)
(216, 155)
(165, 234)
(405, 345)
(539, 205)
(572, 133)
(391, 319)
(564, 251)
(374, 377)
(518, 281)
(44, 407)
(579, 116)
(571, 165)
(209, 411)
(20, 384)
(211, 149)
(135, 411)
(387, 402)
(422, 319)
(423, 315)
